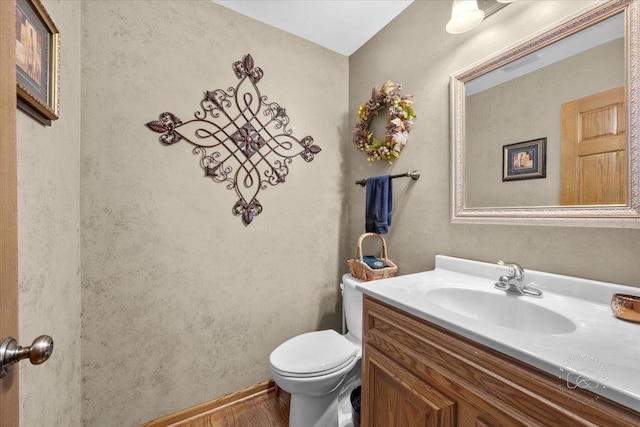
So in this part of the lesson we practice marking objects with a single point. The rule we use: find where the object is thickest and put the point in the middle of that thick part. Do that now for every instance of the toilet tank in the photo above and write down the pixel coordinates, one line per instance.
(352, 302)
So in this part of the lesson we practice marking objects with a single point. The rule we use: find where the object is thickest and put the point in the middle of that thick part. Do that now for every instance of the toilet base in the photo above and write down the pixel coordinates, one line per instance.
(324, 411)
(345, 415)
(316, 411)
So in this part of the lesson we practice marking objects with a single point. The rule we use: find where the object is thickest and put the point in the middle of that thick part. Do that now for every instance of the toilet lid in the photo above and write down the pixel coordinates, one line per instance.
(312, 353)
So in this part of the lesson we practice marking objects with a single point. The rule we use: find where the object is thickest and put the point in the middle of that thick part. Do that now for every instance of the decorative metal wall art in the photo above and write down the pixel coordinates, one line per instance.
(241, 138)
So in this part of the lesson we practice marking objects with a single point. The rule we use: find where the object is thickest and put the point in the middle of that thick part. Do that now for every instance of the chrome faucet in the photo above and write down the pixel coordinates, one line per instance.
(514, 282)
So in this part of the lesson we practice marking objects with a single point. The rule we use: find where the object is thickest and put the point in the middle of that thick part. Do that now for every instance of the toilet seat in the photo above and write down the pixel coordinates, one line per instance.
(313, 354)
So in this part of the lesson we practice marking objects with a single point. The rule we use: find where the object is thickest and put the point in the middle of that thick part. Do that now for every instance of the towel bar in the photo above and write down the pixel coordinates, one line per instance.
(414, 175)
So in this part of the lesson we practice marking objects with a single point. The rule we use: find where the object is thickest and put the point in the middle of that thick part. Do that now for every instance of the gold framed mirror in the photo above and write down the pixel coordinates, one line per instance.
(548, 87)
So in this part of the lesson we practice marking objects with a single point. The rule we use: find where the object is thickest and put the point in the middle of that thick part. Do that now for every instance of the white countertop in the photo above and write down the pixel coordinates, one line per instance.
(603, 349)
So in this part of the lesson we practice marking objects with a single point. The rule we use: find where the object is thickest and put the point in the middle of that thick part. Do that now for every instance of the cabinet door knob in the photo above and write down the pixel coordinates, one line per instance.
(11, 353)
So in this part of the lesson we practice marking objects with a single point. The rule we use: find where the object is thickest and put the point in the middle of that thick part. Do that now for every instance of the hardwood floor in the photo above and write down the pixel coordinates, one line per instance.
(264, 410)
(263, 405)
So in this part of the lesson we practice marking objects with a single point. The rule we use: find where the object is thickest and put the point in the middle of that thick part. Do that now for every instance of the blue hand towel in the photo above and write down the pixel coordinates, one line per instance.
(378, 205)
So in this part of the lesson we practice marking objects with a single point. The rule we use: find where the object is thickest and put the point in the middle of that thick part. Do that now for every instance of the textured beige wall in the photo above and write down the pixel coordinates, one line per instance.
(416, 51)
(49, 241)
(181, 302)
(528, 108)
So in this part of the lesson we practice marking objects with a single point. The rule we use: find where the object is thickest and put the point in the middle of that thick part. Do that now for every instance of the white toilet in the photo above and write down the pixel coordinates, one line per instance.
(317, 367)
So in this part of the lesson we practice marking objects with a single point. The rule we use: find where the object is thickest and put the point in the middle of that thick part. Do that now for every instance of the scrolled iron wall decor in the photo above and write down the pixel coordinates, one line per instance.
(246, 142)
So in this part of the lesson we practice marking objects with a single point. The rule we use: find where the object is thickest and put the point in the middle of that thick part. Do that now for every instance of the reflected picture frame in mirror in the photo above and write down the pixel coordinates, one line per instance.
(625, 215)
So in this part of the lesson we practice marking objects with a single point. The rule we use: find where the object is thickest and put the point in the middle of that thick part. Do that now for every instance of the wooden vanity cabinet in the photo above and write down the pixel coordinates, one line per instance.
(418, 374)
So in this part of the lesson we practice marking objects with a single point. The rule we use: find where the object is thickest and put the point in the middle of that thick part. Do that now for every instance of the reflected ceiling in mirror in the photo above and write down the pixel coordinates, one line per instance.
(573, 86)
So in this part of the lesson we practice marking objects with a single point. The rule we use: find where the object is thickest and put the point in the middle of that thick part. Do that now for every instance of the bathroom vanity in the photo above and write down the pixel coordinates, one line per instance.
(445, 348)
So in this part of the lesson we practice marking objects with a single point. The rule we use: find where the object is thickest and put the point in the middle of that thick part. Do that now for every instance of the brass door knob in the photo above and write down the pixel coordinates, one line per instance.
(10, 353)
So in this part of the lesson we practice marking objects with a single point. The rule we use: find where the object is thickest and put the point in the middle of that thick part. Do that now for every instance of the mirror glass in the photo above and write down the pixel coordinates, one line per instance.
(521, 101)
(541, 131)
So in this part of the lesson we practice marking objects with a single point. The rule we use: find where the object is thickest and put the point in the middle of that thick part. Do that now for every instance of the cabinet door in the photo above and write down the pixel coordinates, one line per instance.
(393, 397)
(419, 374)
(473, 417)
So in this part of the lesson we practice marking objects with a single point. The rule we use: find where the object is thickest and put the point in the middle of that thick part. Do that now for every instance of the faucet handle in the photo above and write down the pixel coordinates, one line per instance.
(514, 268)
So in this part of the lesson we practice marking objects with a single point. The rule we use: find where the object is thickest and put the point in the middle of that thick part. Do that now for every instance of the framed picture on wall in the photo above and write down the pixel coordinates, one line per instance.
(524, 160)
(37, 61)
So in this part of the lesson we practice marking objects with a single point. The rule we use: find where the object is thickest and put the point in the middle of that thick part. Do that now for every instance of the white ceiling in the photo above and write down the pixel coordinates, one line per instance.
(340, 25)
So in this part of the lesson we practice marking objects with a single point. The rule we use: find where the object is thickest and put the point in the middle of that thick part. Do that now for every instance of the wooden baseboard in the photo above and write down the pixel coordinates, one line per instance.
(223, 401)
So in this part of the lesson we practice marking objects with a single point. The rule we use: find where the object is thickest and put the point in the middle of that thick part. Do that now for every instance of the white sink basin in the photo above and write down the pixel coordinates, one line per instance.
(501, 309)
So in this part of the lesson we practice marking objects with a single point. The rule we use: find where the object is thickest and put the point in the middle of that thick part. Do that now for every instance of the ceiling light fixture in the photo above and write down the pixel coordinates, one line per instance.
(465, 15)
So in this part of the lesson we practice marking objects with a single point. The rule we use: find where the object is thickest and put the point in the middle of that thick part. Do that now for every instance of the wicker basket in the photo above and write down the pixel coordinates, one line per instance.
(360, 270)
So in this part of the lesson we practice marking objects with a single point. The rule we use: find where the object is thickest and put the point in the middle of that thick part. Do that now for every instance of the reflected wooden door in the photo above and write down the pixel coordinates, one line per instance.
(8, 206)
(594, 150)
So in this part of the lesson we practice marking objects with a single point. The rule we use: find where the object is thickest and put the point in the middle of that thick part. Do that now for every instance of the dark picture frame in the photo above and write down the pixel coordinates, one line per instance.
(37, 61)
(524, 160)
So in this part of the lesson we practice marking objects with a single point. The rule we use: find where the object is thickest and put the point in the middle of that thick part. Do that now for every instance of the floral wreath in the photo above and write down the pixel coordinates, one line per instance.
(399, 121)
